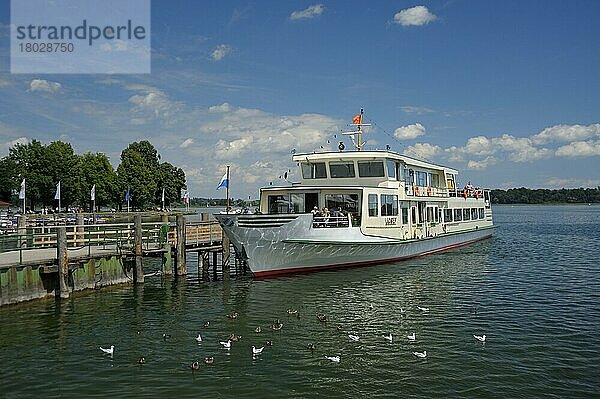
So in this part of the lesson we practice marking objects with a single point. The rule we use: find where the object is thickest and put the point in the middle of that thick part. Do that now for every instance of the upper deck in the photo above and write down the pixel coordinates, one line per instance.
(384, 169)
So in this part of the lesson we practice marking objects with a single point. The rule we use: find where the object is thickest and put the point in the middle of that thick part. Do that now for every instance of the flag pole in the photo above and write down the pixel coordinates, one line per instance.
(228, 184)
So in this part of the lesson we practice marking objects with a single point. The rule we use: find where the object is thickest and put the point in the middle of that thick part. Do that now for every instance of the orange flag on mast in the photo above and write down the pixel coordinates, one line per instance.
(357, 120)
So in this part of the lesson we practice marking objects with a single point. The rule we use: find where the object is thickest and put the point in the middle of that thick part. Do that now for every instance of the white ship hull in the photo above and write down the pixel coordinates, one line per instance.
(280, 244)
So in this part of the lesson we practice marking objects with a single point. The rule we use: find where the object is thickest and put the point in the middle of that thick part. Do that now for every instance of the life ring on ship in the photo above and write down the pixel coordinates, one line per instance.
(465, 194)
(429, 191)
(416, 189)
(476, 194)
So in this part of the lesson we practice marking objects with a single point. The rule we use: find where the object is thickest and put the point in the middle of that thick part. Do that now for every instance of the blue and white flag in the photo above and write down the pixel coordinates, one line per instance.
(224, 182)
(22, 192)
(57, 195)
(127, 195)
(93, 193)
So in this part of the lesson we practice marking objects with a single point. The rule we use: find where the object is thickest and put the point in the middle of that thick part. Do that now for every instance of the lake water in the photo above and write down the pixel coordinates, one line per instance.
(533, 289)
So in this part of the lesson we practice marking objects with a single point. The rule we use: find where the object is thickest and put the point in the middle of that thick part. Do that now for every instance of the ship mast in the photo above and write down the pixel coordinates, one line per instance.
(358, 122)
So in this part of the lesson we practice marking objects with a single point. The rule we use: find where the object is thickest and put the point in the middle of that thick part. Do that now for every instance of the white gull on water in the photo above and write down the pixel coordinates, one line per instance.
(109, 351)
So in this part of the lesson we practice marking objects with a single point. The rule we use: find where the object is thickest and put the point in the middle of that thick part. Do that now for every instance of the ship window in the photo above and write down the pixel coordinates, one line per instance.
(348, 203)
(435, 180)
(399, 172)
(447, 215)
(372, 204)
(279, 204)
(474, 214)
(409, 176)
(314, 170)
(421, 179)
(297, 203)
(481, 213)
(429, 214)
(466, 214)
(457, 215)
(404, 215)
(345, 169)
(370, 169)
(391, 167)
(389, 205)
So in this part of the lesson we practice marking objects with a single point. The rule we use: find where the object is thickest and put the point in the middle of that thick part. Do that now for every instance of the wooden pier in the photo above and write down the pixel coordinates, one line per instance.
(39, 261)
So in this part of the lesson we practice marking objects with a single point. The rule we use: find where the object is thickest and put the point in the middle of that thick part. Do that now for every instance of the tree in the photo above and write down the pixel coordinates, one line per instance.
(60, 166)
(137, 172)
(95, 169)
(172, 179)
(29, 160)
(8, 179)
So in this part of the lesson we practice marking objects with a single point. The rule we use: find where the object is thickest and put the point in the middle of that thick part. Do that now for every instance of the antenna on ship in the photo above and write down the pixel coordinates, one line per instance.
(358, 122)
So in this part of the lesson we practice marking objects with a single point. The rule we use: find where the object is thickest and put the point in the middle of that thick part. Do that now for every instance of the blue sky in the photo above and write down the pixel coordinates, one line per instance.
(507, 92)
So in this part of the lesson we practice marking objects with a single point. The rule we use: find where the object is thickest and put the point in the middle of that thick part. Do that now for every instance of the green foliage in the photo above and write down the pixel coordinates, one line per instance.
(172, 179)
(141, 172)
(29, 160)
(44, 166)
(545, 196)
(96, 169)
(9, 179)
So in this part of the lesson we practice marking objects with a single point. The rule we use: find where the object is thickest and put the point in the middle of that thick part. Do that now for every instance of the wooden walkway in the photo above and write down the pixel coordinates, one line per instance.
(39, 245)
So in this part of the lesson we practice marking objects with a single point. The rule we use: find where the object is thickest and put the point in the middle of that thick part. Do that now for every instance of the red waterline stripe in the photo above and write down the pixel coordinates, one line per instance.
(277, 272)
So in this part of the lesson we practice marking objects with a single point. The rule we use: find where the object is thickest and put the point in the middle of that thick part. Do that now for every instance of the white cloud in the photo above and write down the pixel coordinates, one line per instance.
(566, 133)
(422, 150)
(115, 46)
(415, 16)
(44, 86)
(152, 102)
(576, 149)
(225, 107)
(409, 109)
(520, 149)
(514, 148)
(4, 147)
(310, 12)
(409, 132)
(221, 52)
(267, 133)
(482, 163)
(186, 143)
(233, 149)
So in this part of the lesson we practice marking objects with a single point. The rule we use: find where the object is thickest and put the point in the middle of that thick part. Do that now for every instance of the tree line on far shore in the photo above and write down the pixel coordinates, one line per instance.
(43, 166)
(546, 196)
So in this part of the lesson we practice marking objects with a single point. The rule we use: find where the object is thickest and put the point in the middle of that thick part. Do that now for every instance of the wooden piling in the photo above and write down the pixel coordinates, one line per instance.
(62, 257)
(180, 228)
(205, 265)
(166, 257)
(138, 271)
(80, 236)
(225, 257)
(22, 231)
(214, 254)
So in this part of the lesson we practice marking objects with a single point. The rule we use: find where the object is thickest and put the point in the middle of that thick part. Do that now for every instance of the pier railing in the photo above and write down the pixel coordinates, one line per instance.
(116, 237)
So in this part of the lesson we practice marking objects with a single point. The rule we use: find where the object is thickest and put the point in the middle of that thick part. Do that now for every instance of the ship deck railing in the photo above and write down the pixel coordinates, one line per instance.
(331, 221)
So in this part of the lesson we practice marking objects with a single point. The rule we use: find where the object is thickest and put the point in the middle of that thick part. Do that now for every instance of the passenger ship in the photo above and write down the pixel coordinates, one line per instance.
(393, 207)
